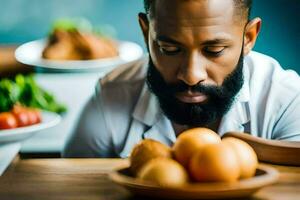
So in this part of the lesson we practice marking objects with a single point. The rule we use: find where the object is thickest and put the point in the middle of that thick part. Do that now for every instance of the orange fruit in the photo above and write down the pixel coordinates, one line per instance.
(190, 141)
(215, 162)
(164, 172)
(246, 156)
(146, 150)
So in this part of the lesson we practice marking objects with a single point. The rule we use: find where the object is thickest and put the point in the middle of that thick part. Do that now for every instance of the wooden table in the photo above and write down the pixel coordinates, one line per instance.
(87, 179)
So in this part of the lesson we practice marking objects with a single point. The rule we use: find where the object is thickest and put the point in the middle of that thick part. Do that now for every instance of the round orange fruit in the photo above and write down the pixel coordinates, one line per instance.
(145, 151)
(164, 172)
(215, 162)
(246, 156)
(190, 141)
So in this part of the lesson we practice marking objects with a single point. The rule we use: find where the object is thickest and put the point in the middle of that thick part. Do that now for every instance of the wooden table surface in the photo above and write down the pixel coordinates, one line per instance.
(87, 179)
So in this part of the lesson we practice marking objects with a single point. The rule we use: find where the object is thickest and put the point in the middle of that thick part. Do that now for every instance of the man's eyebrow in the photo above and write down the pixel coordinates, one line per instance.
(216, 41)
(166, 39)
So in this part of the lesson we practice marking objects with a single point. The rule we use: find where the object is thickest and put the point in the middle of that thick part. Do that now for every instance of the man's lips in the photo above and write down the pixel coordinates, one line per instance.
(191, 97)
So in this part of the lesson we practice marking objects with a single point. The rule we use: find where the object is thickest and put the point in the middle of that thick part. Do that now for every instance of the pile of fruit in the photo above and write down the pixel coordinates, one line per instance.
(198, 155)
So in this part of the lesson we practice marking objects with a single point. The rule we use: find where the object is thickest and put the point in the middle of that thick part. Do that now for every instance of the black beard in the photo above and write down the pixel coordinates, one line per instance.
(220, 98)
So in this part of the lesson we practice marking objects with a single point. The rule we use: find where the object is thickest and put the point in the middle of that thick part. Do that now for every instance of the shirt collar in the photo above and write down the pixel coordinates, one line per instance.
(147, 109)
(147, 112)
(238, 117)
(244, 94)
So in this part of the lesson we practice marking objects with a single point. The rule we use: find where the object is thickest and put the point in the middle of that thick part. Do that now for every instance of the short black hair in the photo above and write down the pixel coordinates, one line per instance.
(244, 6)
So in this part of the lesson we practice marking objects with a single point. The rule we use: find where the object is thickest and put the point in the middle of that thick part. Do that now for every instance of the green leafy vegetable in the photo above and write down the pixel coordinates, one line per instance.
(70, 24)
(83, 25)
(24, 90)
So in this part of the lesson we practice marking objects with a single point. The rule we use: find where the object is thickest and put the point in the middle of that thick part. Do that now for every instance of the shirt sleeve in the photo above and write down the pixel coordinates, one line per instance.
(90, 137)
(288, 125)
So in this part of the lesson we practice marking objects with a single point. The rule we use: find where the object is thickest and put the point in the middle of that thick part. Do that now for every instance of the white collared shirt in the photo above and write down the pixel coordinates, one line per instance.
(123, 111)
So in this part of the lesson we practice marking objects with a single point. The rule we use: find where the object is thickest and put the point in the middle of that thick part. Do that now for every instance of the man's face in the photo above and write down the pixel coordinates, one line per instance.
(196, 57)
(204, 113)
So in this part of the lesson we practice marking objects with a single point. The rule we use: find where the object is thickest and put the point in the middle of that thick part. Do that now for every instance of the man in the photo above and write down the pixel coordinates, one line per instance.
(200, 72)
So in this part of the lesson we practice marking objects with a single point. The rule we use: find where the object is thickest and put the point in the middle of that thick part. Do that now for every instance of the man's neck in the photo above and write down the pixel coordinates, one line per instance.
(180, 128)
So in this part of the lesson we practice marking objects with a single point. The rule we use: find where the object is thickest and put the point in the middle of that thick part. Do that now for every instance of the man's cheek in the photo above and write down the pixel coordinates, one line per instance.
(167, 71)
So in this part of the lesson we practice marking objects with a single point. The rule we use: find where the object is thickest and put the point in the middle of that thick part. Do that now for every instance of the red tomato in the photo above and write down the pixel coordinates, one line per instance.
(7, 121)
(21, 115)
(26, 116)
(34, 117)
(38, 115)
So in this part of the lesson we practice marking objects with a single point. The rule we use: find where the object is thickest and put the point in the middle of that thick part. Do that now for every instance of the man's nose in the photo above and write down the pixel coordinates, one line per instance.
(193, 71)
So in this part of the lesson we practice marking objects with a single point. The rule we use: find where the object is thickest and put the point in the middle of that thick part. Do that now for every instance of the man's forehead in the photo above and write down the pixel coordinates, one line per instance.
(193, 12)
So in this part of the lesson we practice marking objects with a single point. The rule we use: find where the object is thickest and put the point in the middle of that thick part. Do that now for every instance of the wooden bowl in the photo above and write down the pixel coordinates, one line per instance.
(271, 151)
(264, 176)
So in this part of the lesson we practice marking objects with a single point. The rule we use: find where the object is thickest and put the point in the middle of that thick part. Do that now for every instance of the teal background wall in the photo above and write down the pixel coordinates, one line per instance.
(280, 35)
(25, 20)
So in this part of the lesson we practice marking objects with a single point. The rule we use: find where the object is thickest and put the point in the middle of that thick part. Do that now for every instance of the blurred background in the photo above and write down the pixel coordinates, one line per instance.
(26, 20)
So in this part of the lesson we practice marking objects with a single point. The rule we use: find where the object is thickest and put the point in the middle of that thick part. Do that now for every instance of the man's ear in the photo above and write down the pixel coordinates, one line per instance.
(251, 32)
(144, 24)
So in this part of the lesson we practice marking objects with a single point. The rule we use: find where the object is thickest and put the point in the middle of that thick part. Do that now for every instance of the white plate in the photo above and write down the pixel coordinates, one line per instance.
(31, 54)
(18, 134)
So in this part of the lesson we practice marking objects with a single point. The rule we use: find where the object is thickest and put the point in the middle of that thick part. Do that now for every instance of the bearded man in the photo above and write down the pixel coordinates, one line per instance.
(200, 72)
